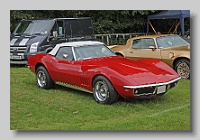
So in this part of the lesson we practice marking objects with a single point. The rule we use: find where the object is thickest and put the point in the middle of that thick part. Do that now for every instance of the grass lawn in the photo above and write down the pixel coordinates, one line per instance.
(67, 108)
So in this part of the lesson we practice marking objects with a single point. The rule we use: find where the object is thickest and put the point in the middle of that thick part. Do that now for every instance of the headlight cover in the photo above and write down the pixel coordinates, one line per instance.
(33, 47)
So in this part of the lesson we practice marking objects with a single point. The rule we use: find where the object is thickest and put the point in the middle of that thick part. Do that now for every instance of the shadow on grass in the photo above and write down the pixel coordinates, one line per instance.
(76, 90)
(18, 66)
(158, 99)
(85, 93)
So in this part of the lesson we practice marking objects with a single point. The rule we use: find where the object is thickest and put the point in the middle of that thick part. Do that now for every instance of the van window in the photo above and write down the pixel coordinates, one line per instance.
(58, 28)
(33, 27)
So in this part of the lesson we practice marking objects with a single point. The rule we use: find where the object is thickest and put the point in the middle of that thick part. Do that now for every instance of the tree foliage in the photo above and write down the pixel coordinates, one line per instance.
(104, 21)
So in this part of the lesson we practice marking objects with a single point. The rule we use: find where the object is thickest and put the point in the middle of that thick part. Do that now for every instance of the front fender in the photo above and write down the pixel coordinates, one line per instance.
(118, 81)
(183, 55)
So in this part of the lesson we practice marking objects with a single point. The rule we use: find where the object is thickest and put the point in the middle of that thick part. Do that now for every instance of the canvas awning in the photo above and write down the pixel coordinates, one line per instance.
(170, 14)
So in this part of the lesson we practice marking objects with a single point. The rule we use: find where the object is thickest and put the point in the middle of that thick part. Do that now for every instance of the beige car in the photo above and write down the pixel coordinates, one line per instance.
(169, 48)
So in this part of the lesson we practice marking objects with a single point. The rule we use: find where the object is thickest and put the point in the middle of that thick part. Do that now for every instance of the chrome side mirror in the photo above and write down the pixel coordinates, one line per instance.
(152, 48)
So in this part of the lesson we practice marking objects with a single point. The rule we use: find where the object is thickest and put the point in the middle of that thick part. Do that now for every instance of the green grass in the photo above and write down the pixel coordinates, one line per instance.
(65, 108)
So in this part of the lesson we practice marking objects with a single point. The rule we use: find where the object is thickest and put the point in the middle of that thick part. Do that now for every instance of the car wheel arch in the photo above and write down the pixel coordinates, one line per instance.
(41, 64)
(109, 79)
(119, 54)
(38, 65)
(95, 76)
(177, 59)
(100, 75)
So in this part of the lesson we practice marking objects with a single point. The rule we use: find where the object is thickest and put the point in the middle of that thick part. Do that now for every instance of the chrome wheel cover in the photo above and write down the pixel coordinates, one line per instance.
(41, 78)
(101, 91)
(183, 70)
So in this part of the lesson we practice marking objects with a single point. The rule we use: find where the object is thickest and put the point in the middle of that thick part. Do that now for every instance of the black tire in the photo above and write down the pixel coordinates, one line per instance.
(182, 67)
(43, 78)
(103, 91)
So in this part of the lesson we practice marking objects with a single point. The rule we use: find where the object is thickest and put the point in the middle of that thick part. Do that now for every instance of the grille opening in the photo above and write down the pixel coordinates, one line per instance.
(144, 91)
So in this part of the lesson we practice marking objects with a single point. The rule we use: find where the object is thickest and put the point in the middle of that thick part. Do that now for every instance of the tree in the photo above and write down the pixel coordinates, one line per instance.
(104, 21)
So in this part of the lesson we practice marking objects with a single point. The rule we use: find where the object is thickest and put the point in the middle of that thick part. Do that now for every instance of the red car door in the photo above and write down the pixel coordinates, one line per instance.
(68, 72)
(65, 68)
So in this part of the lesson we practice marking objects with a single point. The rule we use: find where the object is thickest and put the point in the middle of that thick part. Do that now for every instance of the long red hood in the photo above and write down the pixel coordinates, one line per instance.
(141, 71)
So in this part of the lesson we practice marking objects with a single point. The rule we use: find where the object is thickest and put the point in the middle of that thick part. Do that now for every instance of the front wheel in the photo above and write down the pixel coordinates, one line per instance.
(182, 67)
(43, 78)
(103, 91)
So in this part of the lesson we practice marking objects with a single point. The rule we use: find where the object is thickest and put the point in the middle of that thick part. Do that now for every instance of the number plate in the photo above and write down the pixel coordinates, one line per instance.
(18, 57)
(161, 89)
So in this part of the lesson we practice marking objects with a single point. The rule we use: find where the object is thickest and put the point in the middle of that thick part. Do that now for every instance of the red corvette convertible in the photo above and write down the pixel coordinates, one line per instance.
(93, 66)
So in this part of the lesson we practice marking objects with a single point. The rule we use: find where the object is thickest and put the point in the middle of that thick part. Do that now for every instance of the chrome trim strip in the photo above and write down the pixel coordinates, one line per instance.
(144, 94)
(17, 54)
(20, 53)
(152, 85)
(74, 53)
(18, 47)
(18, 62)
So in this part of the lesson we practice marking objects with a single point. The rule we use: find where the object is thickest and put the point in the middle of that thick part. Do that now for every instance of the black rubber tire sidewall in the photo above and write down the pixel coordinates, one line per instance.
(49, 81)
(113, 95)
(182, 61)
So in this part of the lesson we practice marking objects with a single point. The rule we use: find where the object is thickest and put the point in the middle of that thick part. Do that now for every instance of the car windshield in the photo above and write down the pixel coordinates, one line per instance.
(92, 51)
(33, 27)
(171, 41)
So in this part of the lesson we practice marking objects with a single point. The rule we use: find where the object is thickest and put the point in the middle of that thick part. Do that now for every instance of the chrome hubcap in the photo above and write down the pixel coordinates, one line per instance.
(41, 78)
(101, 91)
(183, 70)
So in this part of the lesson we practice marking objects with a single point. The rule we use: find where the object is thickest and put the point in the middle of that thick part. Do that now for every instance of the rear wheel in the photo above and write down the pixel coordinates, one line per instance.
(103, 91)
(182, 67)
(43, 78)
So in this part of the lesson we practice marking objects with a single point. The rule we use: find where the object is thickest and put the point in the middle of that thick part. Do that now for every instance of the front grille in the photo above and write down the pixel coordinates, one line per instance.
(144, 91)
(14, 49)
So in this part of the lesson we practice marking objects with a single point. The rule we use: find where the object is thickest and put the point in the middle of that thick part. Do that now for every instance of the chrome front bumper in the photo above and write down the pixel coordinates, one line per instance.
(151, 89)
(18, 62)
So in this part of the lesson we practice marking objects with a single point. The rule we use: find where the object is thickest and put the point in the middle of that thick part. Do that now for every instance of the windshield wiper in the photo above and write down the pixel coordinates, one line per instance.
(36, 33)
(25, 34)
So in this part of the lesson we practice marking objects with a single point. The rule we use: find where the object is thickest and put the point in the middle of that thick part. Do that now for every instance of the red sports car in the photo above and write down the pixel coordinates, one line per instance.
(93, 66)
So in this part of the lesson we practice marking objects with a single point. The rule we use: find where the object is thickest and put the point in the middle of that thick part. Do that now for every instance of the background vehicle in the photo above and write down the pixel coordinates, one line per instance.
(169, 48)
(91, 65)
(41, 35)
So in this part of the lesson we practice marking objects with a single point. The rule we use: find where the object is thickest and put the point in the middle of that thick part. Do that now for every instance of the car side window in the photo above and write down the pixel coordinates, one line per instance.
(65, 53)
(148, 42)
(137, 44)
(143, 43)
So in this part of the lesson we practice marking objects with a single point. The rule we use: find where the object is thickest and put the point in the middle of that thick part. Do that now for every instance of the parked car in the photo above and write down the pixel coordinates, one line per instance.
(93, 66)
(169, 48)
(33, 36)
